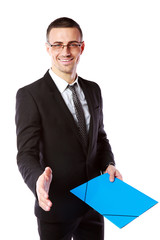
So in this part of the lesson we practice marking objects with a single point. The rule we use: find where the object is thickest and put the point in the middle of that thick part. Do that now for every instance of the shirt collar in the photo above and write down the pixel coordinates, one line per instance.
(61, 83)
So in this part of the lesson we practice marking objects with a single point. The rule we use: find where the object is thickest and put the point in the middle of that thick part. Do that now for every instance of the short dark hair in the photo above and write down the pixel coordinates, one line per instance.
(63, 22)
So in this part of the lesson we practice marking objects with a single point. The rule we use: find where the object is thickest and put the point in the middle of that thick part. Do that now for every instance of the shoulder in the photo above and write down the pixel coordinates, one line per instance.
(90, 86)
(37, 86)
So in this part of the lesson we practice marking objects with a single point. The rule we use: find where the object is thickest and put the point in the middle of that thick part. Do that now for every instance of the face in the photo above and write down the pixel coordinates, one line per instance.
(65, 60)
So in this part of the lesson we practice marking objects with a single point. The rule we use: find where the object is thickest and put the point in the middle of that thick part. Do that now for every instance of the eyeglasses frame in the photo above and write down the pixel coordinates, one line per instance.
(65, 45)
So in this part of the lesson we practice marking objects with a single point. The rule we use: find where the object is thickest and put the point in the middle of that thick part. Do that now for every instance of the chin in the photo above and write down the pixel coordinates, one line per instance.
(67, 70)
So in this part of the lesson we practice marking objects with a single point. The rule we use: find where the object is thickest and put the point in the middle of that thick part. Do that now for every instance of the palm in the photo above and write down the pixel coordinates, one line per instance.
(42, 187)
(46, 182)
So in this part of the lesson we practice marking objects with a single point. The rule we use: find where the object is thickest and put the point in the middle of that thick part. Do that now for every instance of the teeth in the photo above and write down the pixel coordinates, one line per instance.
(65, 60)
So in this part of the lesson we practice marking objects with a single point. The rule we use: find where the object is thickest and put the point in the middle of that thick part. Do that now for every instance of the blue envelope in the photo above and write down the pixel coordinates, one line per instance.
(117, 201)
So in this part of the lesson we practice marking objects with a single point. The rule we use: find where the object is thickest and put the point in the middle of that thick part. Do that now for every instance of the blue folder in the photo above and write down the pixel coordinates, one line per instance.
(117, 201)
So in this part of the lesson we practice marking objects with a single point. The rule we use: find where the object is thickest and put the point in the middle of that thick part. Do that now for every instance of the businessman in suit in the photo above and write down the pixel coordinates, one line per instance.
(61, 139)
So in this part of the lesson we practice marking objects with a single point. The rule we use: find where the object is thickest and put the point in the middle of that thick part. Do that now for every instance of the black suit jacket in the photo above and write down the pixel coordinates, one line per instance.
(47, 135)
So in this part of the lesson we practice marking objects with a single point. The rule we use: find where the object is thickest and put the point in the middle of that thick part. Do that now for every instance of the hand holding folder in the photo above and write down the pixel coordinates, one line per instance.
(117, 201)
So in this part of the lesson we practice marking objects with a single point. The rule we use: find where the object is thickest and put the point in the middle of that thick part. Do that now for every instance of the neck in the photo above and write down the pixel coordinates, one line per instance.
(68, 77)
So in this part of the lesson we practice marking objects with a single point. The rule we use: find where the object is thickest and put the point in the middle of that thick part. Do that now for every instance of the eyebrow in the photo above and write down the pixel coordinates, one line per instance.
(68, 42)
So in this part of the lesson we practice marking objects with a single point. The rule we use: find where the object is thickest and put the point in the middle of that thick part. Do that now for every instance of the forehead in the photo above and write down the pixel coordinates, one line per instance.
(64, 35)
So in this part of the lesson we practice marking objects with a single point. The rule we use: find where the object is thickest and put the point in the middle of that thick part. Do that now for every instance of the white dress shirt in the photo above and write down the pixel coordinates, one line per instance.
(67, 96)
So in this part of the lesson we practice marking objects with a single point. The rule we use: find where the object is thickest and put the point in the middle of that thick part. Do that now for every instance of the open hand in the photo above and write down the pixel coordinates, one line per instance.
(42, 188)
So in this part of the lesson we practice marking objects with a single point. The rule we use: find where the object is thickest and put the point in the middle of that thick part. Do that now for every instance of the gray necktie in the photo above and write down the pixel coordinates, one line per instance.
(80, 115)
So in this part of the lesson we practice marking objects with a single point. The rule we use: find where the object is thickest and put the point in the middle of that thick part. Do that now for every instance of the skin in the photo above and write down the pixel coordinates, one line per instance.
(64, 64)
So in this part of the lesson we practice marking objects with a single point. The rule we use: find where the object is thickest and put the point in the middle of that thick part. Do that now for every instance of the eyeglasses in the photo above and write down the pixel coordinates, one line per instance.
(60, 46)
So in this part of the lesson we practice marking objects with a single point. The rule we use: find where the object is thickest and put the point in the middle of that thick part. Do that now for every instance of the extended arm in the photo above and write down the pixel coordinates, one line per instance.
(28, 124)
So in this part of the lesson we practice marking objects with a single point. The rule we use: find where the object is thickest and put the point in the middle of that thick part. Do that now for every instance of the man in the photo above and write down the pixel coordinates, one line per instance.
(61, 140)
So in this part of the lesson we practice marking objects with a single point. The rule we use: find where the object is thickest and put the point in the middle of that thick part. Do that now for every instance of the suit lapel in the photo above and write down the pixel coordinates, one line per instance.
(56, 95)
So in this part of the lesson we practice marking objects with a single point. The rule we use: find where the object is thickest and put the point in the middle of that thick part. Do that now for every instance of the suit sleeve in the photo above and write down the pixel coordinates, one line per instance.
(104, 150)
(28, 128)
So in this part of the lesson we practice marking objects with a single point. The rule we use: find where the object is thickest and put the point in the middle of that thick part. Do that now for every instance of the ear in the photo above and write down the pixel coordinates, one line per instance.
(47, 48)
(82, 47)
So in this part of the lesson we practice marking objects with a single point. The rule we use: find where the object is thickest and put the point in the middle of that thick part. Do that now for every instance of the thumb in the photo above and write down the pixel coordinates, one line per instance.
(48, 171)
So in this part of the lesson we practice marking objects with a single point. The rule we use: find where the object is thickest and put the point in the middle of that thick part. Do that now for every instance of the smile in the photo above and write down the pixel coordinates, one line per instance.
(66, 60)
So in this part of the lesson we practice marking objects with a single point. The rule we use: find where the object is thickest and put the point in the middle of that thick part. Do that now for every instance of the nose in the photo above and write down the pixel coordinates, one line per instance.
(65, 50)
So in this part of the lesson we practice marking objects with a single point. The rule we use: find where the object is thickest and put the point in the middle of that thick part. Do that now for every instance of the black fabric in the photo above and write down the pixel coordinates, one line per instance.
(88, 227)
(47, 135)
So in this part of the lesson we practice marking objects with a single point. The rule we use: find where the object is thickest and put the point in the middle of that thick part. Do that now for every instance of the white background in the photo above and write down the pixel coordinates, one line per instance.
(122, 55)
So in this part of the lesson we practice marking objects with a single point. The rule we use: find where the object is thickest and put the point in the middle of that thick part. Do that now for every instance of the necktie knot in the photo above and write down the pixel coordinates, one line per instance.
(72, 87)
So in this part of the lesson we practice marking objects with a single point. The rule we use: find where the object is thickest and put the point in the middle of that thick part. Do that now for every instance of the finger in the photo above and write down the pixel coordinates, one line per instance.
(42, 199)
(118, 175)
(42, 192)
(43, 196)
(111, 178)
(111, 171)
(44, 206)
(45, 201)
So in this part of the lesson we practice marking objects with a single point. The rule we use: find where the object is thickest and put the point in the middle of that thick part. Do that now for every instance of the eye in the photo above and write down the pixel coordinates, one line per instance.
(57, 45)
(73, 45)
